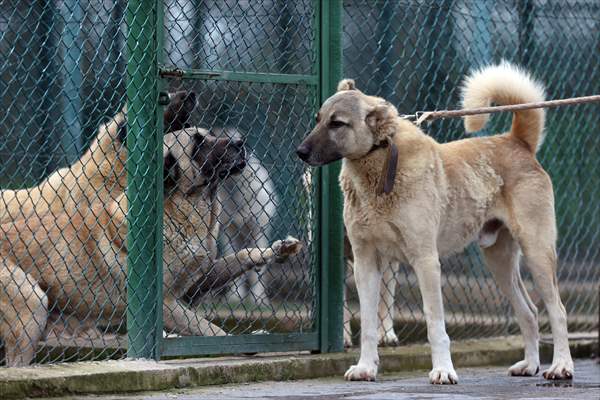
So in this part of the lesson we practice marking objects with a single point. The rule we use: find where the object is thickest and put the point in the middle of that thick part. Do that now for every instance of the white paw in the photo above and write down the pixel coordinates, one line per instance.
(361, 373)
(443, 376)
(524, 368)
(388, 339)
(285, 248)
(562, 369)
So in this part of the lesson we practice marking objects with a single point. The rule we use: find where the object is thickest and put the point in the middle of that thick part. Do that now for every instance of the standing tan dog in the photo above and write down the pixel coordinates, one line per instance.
(410, 199)
(74, 265)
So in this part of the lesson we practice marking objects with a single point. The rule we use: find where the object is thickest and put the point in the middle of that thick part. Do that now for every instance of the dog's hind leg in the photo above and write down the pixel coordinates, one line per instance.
(541, 260)
(23, 314)
(428, 271)
(536, 226)
(387, 336)
(367, 273)
(503, 261)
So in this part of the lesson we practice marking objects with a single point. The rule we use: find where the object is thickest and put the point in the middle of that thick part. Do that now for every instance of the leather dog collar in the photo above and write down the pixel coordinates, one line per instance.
(390, 166)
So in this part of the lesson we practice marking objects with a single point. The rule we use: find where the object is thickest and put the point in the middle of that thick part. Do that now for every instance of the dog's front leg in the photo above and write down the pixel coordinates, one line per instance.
(428, 274)
(367, 273)
(224, 270)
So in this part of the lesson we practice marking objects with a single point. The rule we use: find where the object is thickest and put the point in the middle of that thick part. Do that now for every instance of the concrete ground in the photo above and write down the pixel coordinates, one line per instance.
(475, 383)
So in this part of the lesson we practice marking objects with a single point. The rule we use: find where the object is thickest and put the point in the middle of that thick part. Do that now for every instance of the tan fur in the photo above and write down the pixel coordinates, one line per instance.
(444, 195)
(75, 264)
(506, 84)
(346, 84)
(98, 175)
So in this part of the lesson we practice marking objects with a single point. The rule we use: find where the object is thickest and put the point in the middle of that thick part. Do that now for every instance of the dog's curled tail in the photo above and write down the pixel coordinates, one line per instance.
(506, 84)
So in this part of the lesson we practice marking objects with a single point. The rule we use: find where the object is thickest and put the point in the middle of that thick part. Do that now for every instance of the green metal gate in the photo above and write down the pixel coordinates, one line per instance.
(148, 77)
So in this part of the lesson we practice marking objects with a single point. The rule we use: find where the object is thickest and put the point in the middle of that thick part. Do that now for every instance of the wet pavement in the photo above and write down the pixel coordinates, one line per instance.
(475, 383)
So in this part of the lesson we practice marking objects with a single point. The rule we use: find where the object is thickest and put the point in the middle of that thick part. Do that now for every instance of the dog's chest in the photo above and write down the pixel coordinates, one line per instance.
(376, 231)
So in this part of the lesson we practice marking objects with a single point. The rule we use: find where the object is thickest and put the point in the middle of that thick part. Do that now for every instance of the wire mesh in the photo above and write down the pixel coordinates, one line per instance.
(414, 54)
(258, 206)
(266, 202)
(63, 276)
(63, 86)
(61, 80)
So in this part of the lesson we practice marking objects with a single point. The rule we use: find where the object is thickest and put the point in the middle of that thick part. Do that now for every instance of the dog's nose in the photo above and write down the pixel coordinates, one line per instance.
(303, 151)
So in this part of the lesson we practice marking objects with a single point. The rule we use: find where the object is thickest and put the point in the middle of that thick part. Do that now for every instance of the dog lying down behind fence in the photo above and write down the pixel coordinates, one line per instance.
(74, 263)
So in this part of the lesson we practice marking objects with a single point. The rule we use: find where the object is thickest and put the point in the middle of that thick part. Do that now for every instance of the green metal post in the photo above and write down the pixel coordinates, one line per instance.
(144, 180)
(73, 14)
(331, 233)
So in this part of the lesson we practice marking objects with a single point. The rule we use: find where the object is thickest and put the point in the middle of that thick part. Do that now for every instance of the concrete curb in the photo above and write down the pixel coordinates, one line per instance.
(143, 375)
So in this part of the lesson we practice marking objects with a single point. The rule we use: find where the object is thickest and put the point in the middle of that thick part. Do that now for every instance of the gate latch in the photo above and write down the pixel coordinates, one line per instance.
(171, 72)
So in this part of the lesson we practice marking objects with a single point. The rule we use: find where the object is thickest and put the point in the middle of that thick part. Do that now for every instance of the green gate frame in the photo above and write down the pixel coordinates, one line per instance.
(145, 81)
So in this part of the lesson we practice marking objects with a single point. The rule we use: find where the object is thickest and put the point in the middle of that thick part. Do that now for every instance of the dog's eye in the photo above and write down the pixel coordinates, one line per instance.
(318, 118)
(336, 124)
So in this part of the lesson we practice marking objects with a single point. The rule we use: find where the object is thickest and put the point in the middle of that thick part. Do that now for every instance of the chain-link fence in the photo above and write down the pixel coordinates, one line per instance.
(415, 54)
(213, 176)
(81, 250)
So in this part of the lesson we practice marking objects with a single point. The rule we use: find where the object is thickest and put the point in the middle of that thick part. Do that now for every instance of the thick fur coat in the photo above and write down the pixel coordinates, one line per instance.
(444, 196)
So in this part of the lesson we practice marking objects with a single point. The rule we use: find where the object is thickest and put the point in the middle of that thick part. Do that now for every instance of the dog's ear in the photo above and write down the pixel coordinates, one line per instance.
(380, 119)
(346, 84)
(178, 112)
(172, 172)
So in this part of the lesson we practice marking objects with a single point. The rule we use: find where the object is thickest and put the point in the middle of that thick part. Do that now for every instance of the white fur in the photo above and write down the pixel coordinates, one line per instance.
(501, 84)
(249, 205)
